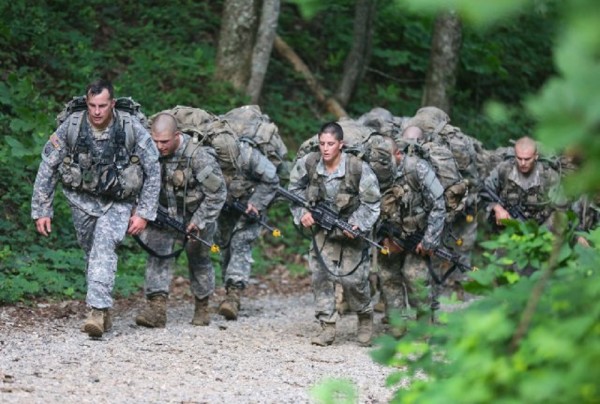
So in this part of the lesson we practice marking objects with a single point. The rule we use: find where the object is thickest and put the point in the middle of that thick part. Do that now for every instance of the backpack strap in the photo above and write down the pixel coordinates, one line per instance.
(74, 121)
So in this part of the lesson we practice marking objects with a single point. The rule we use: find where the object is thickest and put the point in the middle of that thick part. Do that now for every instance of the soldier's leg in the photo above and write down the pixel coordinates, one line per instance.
(417, 281)
(323, 287)
(109, 232)
(392, 284)
(202, 275)
(240, 264)
(357, 290)
(225, 226)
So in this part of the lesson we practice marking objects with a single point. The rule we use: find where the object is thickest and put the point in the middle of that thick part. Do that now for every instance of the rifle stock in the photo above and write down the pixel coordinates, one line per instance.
(327, 218)
(514, 211)
(240, 207)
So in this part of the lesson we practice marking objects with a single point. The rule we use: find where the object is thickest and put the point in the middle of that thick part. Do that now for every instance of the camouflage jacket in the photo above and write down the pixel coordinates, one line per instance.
(252, 177)
(57, 149)
(191, 176)
(367, 194)
(537, 194)
(415, 202)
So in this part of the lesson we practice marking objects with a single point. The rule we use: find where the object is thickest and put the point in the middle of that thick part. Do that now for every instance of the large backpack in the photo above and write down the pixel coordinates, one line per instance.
(381, 120)
(363, 142)
(77, 105)
(250, 124)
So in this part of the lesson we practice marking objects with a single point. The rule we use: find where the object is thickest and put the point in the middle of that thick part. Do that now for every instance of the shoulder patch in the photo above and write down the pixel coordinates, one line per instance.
(54, 141)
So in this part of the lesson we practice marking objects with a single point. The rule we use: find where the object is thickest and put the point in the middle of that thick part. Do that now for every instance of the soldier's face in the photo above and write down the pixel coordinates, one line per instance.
(526, 158)
(166, 142)
(100, 108)
(330, 147)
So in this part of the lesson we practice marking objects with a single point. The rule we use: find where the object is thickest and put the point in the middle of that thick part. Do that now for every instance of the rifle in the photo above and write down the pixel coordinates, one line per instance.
(163, 219)
(327, 218)
(240, 207)
(411, 242)
(514, 211)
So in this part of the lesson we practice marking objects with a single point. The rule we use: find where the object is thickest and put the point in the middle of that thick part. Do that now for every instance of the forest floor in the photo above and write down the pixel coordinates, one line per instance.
(263, 357)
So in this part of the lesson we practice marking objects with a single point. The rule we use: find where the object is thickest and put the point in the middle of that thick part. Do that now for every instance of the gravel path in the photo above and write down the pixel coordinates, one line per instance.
(264, 357)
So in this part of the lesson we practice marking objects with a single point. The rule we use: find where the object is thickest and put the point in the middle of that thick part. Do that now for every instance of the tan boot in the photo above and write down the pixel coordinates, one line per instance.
(326, 336)
(107, 321)
(201, 312)
(365, 328)
(230, 307)
(154, 315)
(94, 323)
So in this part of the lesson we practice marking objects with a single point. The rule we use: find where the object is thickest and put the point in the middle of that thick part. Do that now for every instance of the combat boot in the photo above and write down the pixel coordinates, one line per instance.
(201, 312)
(326, 336)
(230, 307)
(365, 328)
(94, 324)
(154, 315)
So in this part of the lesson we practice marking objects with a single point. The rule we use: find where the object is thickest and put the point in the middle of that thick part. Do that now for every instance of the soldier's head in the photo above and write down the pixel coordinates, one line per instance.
(331, 141)
(100, 103)
(526, 154)
(413, 134)
(165, 133)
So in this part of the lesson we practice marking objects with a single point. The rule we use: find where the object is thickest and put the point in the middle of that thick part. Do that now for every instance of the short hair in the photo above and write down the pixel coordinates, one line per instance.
(332, 128)
(413, 133)
(526, 143)
(164, 121)
(98, 85)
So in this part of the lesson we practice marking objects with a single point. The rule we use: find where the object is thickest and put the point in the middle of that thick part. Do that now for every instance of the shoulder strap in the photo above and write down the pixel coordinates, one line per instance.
(74, 126)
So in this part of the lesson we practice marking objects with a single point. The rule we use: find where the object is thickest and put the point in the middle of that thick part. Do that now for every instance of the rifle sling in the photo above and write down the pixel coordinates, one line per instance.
(321, 260)
(157, 255)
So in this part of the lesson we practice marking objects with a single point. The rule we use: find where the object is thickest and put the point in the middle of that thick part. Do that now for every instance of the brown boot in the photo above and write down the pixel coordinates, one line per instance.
(365, 328)
(154, 315)
(107, 321)
(326, 336)
(230, 307)
(94, 323)
(201, 312)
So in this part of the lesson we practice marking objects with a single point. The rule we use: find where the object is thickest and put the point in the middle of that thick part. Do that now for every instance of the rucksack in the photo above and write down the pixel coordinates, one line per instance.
(250, 124)
(75, 107)
(381, 120)
(363, 142)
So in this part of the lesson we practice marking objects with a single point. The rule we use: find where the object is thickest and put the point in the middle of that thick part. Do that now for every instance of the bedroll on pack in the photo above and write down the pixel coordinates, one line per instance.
(381, 120)
(251, 125)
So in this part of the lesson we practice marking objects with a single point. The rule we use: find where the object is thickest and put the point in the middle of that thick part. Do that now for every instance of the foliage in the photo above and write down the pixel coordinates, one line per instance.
(334, 391)
(527, 339)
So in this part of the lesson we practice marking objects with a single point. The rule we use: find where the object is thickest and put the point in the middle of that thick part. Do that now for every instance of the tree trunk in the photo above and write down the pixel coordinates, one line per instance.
(236, 41)
(443, 62)
(331, 105)
(267, 30)
(357, 60)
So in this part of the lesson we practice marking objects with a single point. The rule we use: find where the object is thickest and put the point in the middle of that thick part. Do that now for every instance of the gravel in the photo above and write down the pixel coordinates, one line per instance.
(264, 357)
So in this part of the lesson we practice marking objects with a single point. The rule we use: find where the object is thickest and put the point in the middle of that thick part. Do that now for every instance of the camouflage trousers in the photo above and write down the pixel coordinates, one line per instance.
(340, 257)
(466, 232)
(99, 238)
(405, 284)
(159, 271)
(236, 236)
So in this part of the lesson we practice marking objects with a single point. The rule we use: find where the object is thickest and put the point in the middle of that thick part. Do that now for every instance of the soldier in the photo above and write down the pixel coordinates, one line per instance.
(587, 210)
(349, 186)
(412, 205)
(193, 190)
(525, 183)
(82, 153)
(251, 180)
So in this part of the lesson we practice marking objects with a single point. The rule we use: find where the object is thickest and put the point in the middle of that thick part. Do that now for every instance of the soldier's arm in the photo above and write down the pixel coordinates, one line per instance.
(297, 185)
(369, 196)
(433, 192)
(212, 184)
(53, 153)
(146, 150)
(265, 173)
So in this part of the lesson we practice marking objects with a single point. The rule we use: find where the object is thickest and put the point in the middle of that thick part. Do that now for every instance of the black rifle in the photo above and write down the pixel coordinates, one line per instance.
(163, 219)
(411, 242)
(241, 207)
(327, 218)
(514, 211)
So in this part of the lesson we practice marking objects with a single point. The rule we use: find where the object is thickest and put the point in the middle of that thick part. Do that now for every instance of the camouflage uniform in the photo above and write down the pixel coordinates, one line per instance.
(587, 211)
(338, 253)
(203, 194)
(418, 205)
(250, 179)
(537, 194)
(100, 222)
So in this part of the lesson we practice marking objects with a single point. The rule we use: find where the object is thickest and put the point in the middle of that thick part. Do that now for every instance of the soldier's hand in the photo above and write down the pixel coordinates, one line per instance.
(43, 225)
(501, 214)
(392, 246)
(251, 209)
(307, 220)
(350, 235)
(422, 250)
(582, 241)
(192, 228)
(136, 225)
